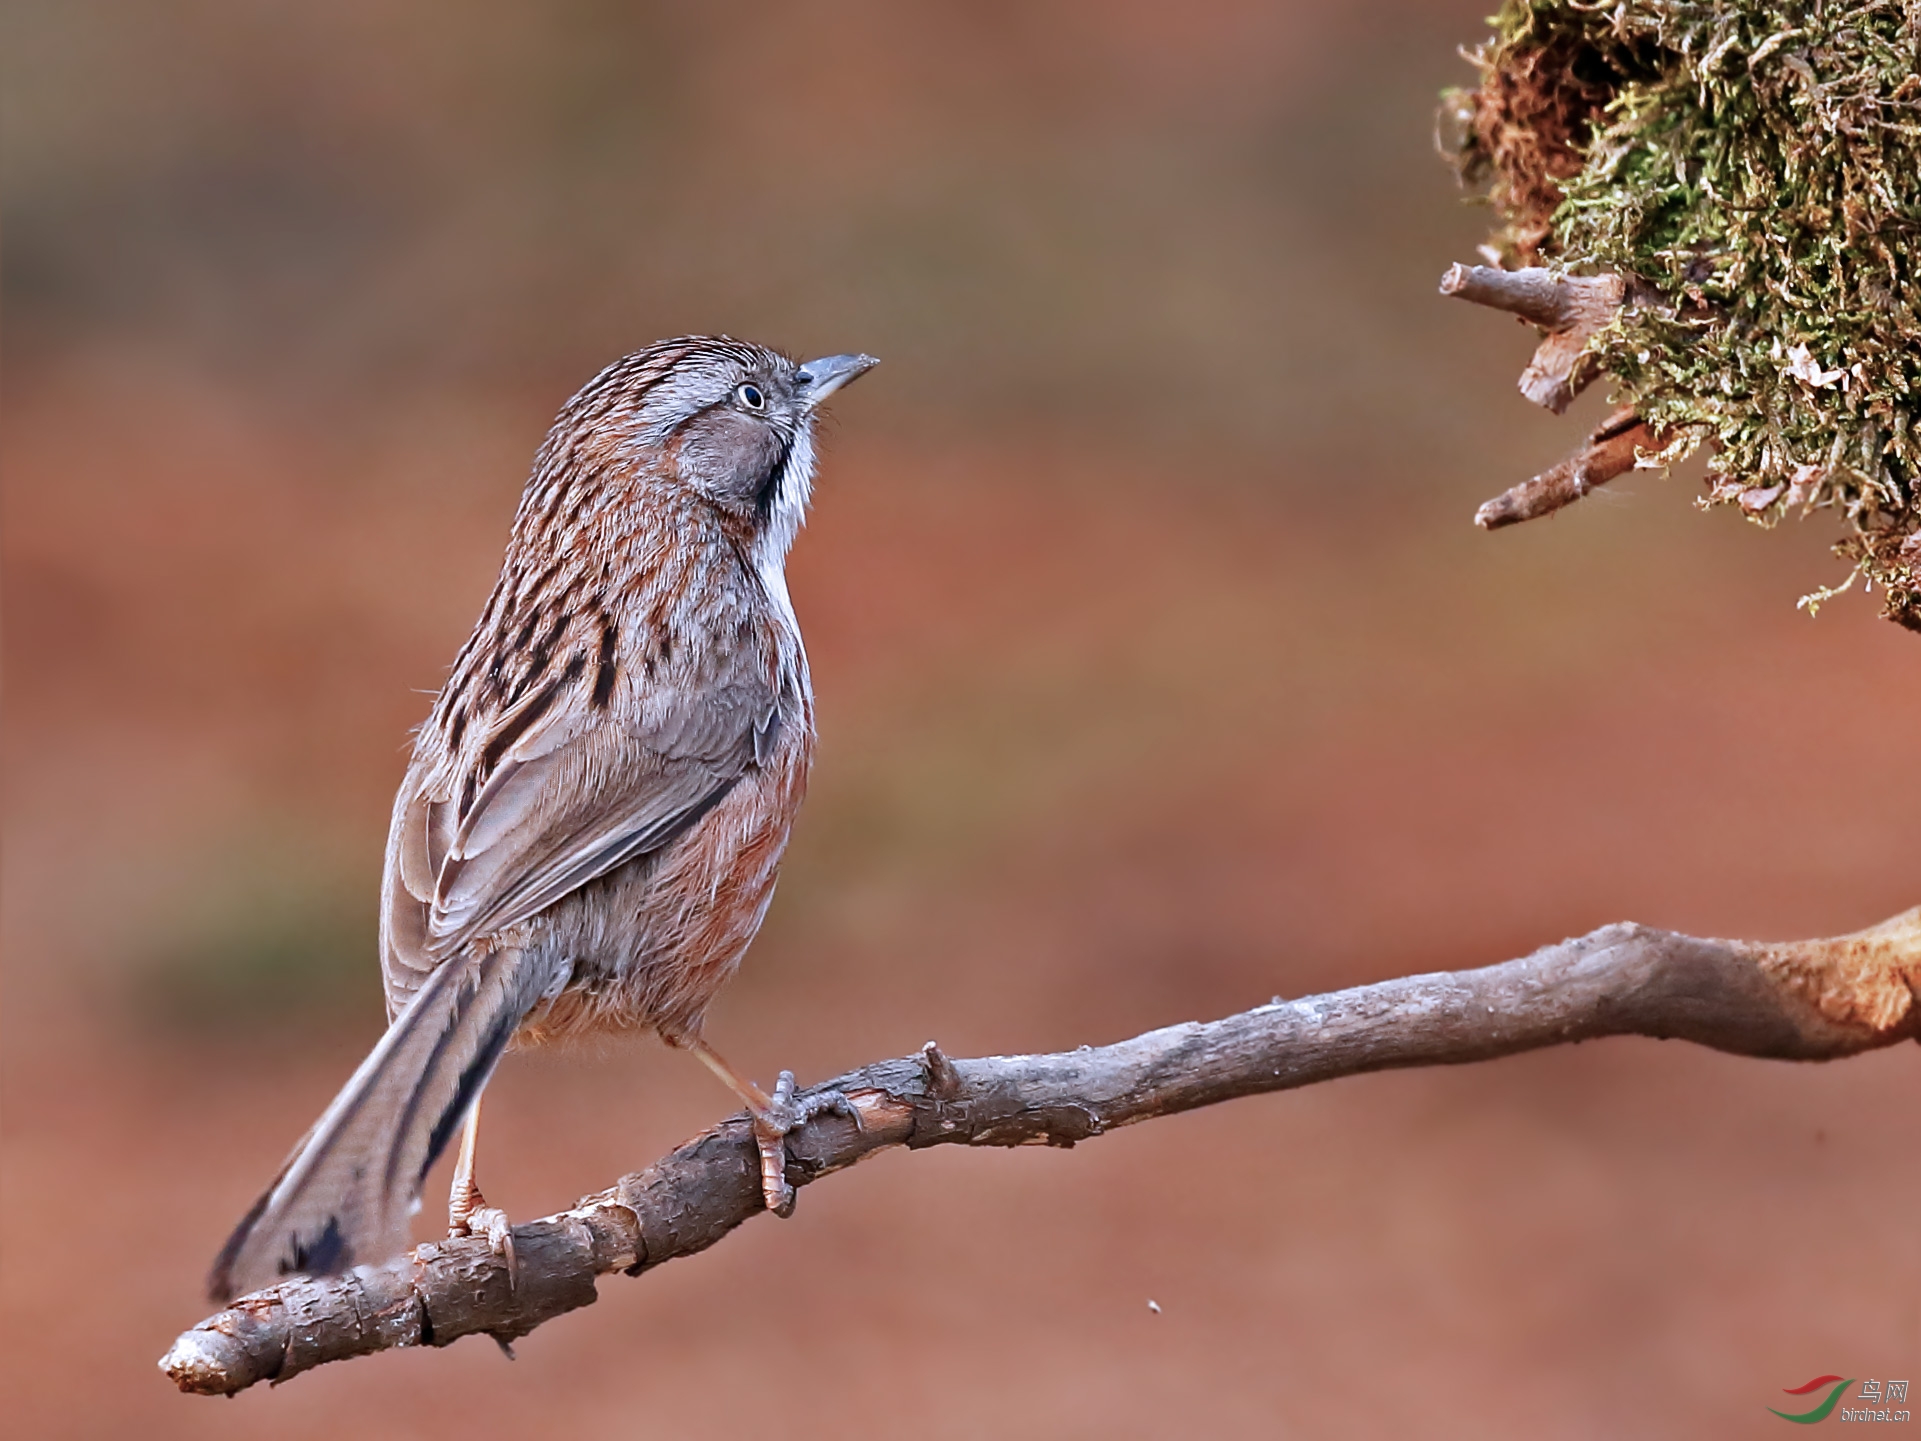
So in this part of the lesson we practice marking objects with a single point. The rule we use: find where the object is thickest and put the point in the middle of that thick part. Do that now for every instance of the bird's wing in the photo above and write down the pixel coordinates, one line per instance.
(536, 806)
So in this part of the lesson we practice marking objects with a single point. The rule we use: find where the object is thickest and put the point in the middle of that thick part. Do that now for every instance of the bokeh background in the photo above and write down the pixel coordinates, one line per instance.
(1160, 672)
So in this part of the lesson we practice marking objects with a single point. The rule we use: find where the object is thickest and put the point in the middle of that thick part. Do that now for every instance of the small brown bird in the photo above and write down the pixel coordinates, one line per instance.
(588, 836)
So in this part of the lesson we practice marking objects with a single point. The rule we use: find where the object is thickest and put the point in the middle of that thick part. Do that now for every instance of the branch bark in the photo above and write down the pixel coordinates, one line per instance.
(1612, 448)
(1570, 309)
(1806, 1000)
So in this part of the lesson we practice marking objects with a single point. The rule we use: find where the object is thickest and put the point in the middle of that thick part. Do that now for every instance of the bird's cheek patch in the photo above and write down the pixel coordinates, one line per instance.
(729, 456)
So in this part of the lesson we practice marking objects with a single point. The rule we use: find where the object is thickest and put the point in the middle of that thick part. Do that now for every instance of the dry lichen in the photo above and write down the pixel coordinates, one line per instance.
(1758, 167)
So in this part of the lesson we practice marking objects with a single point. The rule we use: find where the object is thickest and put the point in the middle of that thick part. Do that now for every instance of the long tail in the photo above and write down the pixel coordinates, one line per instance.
(347, 1193)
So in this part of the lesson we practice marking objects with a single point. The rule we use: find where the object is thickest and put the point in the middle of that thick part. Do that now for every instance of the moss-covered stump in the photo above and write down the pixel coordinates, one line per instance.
(1752, 174)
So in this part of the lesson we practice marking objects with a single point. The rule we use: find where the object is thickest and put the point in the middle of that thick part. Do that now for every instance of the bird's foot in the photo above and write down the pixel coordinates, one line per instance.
(784, 1112)
(470, 1215)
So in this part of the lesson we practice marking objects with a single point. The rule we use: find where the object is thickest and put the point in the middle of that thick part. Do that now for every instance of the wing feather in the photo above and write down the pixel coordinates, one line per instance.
(571, 795)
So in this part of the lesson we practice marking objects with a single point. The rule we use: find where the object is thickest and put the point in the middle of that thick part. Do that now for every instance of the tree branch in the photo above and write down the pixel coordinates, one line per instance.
(1571, 309)
(1612, 448)
(1807, 1000)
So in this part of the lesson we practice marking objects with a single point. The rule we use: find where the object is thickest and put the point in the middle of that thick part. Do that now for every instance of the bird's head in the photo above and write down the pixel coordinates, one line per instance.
(729, 420)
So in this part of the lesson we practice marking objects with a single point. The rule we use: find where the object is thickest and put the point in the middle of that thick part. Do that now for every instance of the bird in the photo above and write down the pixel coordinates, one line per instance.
(590, 829)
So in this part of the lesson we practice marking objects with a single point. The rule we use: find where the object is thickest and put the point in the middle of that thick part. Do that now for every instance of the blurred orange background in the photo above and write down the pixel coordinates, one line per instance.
(1160, 672)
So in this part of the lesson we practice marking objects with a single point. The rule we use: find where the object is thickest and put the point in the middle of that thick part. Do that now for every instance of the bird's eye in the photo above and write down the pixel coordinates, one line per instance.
(749, 395)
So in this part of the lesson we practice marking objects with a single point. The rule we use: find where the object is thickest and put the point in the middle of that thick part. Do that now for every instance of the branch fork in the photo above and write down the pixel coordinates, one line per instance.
(1570, 310)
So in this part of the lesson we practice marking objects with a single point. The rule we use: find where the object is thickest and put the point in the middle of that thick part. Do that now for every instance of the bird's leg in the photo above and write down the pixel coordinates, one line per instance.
(774, 1116)
(468, 1213)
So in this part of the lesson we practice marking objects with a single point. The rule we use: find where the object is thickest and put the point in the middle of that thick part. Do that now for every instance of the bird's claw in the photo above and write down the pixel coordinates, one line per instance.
(785, 1112)
(492, 1223)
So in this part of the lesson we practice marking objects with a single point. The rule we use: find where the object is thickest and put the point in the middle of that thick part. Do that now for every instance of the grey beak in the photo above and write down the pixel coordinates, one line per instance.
(818, 379)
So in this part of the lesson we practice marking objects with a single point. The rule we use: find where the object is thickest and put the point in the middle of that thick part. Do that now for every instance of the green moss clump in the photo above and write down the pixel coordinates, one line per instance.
(1757, 166)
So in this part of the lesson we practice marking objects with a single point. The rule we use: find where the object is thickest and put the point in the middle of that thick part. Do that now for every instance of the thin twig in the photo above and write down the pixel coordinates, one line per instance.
(1570, 309)
(1807, 1000)
(1612, 448)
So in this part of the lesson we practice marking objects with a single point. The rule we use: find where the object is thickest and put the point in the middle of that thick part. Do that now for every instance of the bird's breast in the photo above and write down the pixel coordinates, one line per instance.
(651, 943)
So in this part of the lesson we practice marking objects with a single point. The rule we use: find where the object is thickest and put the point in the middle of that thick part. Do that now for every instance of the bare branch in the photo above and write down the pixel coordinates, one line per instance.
(1571, 309)
(1611, 449)
(1547, 298)
(1808, 1000)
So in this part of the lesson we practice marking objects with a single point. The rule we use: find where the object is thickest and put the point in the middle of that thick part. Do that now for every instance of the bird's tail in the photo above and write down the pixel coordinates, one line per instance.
(347, 1193)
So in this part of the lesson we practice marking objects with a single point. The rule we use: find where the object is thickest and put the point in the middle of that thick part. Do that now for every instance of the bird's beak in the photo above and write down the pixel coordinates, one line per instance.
(818, 379)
